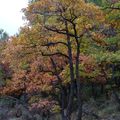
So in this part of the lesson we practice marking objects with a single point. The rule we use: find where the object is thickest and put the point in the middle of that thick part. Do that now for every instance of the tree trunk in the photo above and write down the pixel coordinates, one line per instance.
(79, 85)
(71, 96)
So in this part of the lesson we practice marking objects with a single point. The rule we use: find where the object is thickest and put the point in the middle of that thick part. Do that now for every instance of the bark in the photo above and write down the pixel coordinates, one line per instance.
(79, 87)
(71, 97)
(63, 104)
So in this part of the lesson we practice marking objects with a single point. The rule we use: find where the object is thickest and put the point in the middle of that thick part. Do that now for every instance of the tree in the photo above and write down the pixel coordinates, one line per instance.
(65, 48)
(110, 56)
(29, 81)
(72, 22)
(3, 35)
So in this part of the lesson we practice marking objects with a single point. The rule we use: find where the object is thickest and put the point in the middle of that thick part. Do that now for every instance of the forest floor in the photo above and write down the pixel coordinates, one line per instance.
(99, 109)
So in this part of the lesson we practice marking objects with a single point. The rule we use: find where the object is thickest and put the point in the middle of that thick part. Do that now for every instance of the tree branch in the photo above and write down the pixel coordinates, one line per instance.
(54, 43)
(113, 8)
(61, 31)
(53, 54)
(52, 13)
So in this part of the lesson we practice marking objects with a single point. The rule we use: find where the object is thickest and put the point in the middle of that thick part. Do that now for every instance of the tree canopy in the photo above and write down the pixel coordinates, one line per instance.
(69, 52)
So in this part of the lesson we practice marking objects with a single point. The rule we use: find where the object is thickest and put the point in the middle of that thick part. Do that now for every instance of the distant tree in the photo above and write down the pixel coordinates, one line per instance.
(3, 35)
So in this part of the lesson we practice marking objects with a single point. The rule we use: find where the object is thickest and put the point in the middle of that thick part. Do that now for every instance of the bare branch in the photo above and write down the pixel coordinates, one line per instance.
(53, 54)
(69, 20)
(54, 43)
(41, 69)
(55, 68)
(60, 31)
(46, 71)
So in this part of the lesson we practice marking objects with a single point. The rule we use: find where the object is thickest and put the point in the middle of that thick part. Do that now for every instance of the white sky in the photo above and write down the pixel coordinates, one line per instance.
(11, 15)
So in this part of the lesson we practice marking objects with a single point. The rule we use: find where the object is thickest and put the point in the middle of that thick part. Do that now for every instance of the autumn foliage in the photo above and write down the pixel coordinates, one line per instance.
(66, 46)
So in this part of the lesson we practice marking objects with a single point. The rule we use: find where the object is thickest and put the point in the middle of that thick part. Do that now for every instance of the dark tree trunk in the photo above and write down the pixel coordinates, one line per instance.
(93, 91)
(102, 89)
(71, 97)
(63, 103)
(79, 85)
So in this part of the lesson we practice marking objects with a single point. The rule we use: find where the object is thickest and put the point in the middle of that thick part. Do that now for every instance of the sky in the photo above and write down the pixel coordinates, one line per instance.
(11, 15)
